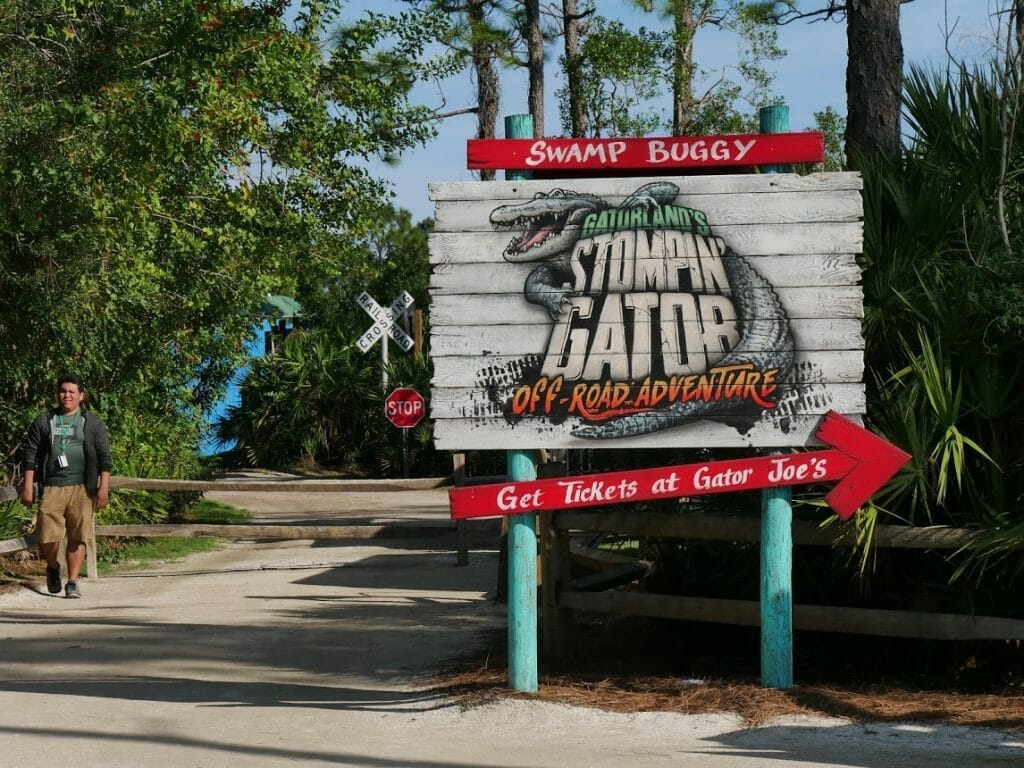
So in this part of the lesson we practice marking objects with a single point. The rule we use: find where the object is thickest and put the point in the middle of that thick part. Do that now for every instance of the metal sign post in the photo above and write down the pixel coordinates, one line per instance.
(384, 325)
(405, 408)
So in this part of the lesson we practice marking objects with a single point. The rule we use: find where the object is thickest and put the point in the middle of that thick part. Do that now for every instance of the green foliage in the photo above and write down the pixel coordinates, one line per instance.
(166, 165)
(492, 25)
(119, 555)
(943, 282)
(295, 404)
(391, 258)
(318, 402)
(833, 125)
(214, 513)
(625, 74)
(620, 71)
(15, 520)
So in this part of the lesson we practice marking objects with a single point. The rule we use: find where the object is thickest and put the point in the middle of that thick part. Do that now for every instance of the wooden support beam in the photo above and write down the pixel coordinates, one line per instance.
(18, 544)
(324, 532)
(805, 533)
(462, 535)
(281, 486)
(817, 618)
(595, 559)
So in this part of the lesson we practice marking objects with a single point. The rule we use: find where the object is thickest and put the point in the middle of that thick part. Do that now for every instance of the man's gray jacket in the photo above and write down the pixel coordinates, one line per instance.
(36, 450)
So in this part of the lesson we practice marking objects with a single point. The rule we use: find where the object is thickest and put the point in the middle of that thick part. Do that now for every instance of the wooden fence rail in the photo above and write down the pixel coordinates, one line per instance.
(562, 599)
(713, 528)
(11, 493)
(280, 486)
(821, 618)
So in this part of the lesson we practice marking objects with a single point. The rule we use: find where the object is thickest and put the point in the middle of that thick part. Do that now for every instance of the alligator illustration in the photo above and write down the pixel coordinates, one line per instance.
(552, 225)
(765, 342)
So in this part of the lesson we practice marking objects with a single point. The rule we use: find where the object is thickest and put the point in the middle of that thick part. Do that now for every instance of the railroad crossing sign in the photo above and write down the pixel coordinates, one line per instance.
(384, 321)
(404, 407)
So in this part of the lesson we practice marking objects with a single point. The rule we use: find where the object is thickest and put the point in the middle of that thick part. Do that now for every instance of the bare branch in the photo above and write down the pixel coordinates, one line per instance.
(455, 112)
(831, 12)
(152, 59)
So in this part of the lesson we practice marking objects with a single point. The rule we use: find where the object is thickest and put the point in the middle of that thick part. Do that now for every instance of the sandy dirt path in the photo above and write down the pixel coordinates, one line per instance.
(315, 654)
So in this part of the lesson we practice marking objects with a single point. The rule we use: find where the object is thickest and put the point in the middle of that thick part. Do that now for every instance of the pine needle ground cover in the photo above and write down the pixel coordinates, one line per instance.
(648, 665)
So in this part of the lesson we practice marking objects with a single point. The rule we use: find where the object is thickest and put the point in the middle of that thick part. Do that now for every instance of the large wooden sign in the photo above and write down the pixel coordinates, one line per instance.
(673, 311)
(646, 154)
(860, 461)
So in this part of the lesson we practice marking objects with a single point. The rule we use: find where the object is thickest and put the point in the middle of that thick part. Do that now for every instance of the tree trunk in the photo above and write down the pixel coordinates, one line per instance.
(874, 77)
(486, 77)
(535, 65)
(684, 28)
(1018, 31)
(571, 28)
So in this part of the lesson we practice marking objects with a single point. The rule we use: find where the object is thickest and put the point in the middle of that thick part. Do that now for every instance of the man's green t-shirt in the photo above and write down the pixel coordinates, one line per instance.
(68, 441)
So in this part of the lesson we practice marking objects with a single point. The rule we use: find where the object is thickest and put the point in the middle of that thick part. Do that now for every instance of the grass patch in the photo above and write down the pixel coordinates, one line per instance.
(116, 555)
(126, 554)
(215, 513)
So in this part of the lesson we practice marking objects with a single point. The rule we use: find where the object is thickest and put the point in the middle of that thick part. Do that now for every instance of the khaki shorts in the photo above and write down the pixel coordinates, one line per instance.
(64, 506)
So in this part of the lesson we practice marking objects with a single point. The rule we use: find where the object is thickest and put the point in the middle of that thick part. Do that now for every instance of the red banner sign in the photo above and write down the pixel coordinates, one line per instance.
(859, 460)
(646, 154)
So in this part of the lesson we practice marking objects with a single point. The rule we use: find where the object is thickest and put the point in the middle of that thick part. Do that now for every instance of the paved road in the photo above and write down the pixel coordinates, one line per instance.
(305, 654)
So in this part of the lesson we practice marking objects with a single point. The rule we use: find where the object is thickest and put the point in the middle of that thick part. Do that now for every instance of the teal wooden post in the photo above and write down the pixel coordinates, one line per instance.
(522, 583)
(774, 119)
(777, 588)
(518, 127)
(776, 528)
(522, 529)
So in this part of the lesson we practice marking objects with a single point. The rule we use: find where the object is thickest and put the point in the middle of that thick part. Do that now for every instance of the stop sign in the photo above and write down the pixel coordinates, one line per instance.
(405, 407)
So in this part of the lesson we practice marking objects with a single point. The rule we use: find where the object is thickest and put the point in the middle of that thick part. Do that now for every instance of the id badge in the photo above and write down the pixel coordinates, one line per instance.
(62, 461)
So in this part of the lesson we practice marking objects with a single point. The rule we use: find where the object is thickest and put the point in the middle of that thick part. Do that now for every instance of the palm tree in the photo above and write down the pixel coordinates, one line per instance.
(944, 305)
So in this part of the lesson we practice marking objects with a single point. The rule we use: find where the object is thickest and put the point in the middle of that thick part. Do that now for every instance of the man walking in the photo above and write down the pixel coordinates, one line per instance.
(67, 465)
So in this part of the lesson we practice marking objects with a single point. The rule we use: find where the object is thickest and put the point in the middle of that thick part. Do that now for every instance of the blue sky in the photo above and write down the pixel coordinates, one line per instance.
(810, 78)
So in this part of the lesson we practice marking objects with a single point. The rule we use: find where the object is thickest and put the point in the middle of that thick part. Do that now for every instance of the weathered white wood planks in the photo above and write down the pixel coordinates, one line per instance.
(814, 302)
(638, 312)
(467, 402)
(745, 239)
(729, 209)
(844, 367)
(479, 434)
(616, 189)
(482, 340)
(785, 271)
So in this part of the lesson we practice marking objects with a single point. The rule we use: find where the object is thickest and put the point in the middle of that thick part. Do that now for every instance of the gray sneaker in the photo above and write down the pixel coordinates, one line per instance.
(71, 589)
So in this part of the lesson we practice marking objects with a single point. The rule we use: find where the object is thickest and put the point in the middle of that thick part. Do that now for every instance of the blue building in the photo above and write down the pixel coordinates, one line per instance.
(278, 314)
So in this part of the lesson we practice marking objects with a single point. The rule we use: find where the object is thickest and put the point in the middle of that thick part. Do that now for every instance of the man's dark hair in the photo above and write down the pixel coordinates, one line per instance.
(70, 378)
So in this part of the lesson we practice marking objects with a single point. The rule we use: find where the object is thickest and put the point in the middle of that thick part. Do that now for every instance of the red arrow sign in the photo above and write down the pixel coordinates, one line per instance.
(859, 460)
